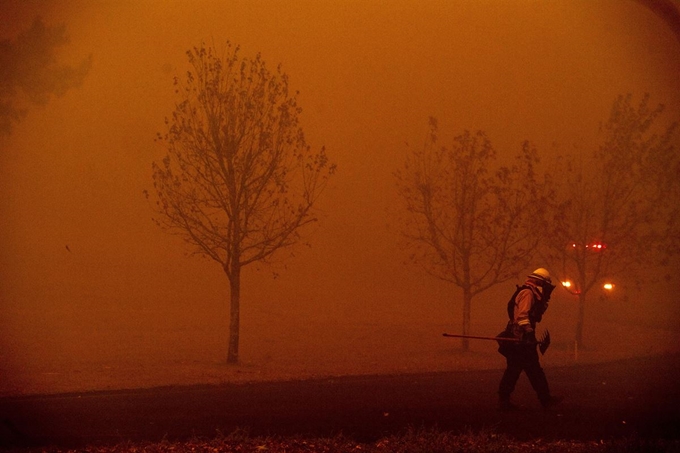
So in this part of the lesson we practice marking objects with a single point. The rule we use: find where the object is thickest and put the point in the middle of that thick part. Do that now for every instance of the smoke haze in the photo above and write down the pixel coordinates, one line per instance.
(87, 280)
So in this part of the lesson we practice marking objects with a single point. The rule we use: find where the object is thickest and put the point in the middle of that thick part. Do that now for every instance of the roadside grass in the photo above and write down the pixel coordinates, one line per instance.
(410, 441)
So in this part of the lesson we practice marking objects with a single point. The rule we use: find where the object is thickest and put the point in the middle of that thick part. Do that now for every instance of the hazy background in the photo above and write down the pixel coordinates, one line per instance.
(369, 73)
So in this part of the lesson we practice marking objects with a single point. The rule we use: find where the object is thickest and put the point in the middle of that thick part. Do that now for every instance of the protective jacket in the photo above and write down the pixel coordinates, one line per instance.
(525, 309)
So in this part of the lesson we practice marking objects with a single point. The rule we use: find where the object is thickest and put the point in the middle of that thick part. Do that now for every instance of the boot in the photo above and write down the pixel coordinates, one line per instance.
(551, 402)
(505, 405)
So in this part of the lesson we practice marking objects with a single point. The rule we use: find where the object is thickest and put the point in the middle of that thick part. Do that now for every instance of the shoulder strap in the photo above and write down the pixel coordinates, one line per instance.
(511, 302)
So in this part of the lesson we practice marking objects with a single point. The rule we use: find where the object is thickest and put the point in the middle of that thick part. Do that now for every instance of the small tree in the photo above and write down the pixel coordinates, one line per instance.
(617, 209)
(470, 221)
(30, 73)
(239, 180)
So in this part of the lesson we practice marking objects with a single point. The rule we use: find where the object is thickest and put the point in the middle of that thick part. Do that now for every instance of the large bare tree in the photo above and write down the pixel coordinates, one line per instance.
(239, 180)
(616, 209)
(470, 220)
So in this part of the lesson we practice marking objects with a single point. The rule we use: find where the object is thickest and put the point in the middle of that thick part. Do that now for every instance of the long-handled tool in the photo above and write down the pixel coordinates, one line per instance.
(543, 343)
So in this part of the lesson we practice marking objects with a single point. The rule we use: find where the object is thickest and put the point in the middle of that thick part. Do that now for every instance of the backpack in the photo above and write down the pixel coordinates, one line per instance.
(535, 315)
(536, 312)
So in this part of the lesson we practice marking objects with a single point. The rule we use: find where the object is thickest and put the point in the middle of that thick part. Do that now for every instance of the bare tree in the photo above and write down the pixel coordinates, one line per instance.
(239, 180)
(470, 221)
(615, 210)
(30, 73)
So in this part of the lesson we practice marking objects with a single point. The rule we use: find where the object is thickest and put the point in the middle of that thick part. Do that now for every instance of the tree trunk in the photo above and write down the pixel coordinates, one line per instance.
(581, 318)
(467, 303)
(582, 285)
(234, 313)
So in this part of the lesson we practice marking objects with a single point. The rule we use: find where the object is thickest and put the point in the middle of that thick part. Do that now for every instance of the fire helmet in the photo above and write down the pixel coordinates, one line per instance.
(542, 275)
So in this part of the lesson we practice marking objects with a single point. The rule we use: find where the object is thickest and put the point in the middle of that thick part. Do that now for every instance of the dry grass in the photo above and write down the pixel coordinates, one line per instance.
(411, 441)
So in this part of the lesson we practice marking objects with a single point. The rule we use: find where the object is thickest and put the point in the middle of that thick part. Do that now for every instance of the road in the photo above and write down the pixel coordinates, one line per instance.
(632, 397)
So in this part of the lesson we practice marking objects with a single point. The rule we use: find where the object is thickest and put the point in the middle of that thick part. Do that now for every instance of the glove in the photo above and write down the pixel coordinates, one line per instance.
(529, 336)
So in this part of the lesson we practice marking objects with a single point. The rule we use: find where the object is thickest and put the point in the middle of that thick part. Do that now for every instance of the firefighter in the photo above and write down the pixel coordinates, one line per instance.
(525, 310)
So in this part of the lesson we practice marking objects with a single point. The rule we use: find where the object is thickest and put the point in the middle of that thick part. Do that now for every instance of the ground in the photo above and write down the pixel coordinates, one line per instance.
(628, 399)
(365, 378)
(107, 359)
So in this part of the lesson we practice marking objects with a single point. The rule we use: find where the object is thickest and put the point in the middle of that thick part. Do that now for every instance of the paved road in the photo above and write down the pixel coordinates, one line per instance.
(633, 397)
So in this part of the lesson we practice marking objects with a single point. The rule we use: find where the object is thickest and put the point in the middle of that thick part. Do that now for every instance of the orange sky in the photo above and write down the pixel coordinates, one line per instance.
(370, 73)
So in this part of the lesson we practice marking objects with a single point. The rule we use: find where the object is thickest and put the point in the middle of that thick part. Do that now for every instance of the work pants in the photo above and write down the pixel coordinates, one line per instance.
(524, 358)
